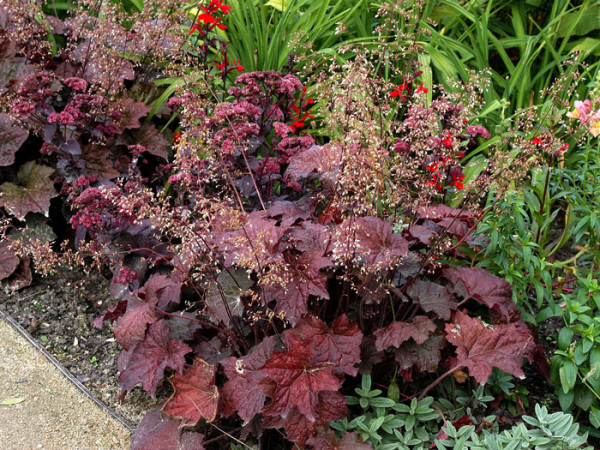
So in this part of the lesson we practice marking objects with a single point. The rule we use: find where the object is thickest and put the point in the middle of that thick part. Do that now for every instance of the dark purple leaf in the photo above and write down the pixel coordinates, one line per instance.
(245, 375)
(481, 347)
(196, 396)
(371, 239)
(131, 112)
(33, 194)
(339, 344)
(9, 261)
(12, 136)
(321, 161)
(432, 297)
(480, 285)
(111, 314)
(22, 276)
(419, 329)
(225, 294)
(424, 357)
(159, 432)
(151, 357)
(131, 327)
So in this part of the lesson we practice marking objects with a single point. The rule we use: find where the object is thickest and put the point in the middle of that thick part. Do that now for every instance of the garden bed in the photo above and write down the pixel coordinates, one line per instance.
(60, 318)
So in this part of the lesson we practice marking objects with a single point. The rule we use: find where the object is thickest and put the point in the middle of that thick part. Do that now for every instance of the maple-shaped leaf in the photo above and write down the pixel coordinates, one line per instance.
(162, 291)
(302, 277)
(223, 296)
(99, 161)
(131, 327)
(481, 347)
(22, 276)
(212, 351)
(478, 284)
(419, 329)
(320, 161)
(299, 428)
(339, 344)
(131, 112)
(258, 239)
(369, 356)
(420, 233)
(13, 70)
(33, 194)
(289, 212)
(432, 297)
(150, 137)
(9, 261)
(111, 314)
(245, 376)
(424, 357)
(12, 136)
(299, 376)
(311, 236)
(151, 357)
(183, 325)
(372, 240)
(158, 432)
(196, 396)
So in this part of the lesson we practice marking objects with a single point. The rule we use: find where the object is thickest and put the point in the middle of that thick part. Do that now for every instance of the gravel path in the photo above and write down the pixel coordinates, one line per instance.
(41, 409)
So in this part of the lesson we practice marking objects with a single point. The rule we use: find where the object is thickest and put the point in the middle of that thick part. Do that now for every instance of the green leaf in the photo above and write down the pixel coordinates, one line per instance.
(279, 5)
(382, 402)
(11, 401)
(595, 417)
(568, 375)
(580, 23)
(565, 400)
(564, 338)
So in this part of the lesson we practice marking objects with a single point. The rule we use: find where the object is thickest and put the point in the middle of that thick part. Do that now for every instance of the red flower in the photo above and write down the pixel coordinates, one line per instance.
(177, 138)
(537, 140)
(216, 4)
(196, 28)
(206, 18)
(238, 67)
(422, 89)
(457, 177)
(448, 141)
(399, 91)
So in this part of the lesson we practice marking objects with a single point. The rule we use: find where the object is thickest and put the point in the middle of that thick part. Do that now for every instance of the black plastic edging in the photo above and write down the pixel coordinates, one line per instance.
(19, 329)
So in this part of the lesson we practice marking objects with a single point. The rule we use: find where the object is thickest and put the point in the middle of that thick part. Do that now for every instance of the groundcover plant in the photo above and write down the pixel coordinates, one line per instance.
(273, 235)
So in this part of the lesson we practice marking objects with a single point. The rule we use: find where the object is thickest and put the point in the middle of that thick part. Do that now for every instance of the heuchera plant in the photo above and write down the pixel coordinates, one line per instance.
(269, 270)
(288, 295)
